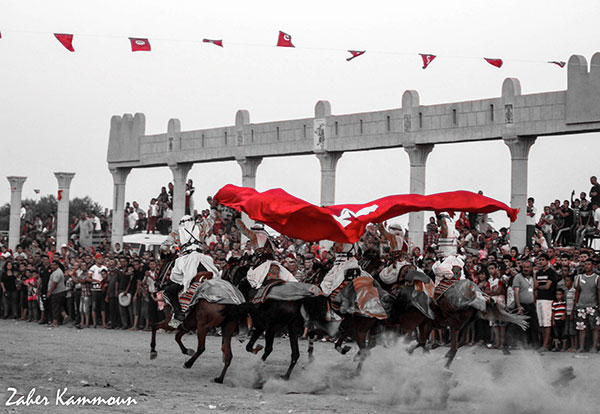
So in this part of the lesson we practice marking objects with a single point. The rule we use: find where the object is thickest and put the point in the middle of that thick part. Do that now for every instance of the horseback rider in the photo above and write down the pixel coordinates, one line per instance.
(188, 241)
(345, 267)
(264, 267)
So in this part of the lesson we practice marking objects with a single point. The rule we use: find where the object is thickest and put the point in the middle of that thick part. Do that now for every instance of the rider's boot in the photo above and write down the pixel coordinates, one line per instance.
(172, 294)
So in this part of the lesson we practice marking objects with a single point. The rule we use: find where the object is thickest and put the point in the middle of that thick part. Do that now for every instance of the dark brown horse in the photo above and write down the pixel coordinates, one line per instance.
(203, 317)
(408, 317)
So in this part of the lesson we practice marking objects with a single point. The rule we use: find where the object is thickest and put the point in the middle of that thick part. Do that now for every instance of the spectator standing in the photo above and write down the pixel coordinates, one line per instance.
(8, 282)
(570, 331)
(594, 191)
(546, 294)
(85, 226)
(57, 293)
(530, 221)
(45, 272)
(585, 312)
(524, 287)
(152, 216)
(559, 314)
(98, 280)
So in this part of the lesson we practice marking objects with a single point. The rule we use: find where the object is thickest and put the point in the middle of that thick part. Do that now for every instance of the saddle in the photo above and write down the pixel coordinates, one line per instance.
(260, 295)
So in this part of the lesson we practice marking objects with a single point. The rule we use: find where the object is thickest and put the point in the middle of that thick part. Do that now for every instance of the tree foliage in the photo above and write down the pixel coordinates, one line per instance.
(48, 204)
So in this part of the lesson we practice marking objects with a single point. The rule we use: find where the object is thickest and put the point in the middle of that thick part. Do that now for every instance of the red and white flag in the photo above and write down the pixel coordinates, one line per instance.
(284, 40)
(355, 53)
(494, 62)
(66, 40)
(139, 44)
(214, 42)
(558, 63)
(345, 223)
(427, 59)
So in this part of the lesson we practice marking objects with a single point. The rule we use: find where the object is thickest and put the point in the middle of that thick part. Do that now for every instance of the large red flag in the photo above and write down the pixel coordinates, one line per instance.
(214, 42)
(494, 62)
(139, 44)
(284, 40)
(347, 222)
(427, 59)
(66, 40)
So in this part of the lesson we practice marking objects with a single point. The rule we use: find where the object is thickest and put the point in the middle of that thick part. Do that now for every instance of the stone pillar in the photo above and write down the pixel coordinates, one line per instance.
(118, 217)
(328, 162)
(62, 215)
(417, 153)
(519, 154)
(249, 166)
(14, 226)
(180, 172)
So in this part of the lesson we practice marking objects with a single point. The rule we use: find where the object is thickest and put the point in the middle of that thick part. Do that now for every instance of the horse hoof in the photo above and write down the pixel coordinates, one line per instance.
(189, 352)
(284, 377)
(153, 355)
(218, 380)
(257, 349)
(187, 365)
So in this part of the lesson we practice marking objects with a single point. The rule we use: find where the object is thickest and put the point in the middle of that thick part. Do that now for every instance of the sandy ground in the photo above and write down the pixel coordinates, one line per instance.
(97, 362)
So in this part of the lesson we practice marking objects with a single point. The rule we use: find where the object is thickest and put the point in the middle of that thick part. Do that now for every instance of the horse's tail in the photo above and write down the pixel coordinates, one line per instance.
(239, 313)
(493, 312)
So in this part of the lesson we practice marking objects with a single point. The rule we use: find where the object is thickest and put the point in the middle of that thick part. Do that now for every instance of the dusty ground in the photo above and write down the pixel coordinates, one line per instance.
(114, 363)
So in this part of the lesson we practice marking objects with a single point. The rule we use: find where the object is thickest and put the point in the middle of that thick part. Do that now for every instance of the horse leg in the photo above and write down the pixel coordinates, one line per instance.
(159, 325)
(227, 331)
(342, 335)
(180, 332)
(202, 331)
(453, 346)
(269, 338)
(295, 351)
(250, 345)
(363, 350)
(311, 347)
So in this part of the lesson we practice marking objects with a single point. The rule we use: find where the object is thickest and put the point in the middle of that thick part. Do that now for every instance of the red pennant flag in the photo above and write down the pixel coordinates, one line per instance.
(285, 40)
(139, 44)
(36, 190)
(60, 195)
(66, 40)
(427, 59)
(214, 42)
(355, 53)
(559, 63)
(345, 223)
(494, 62)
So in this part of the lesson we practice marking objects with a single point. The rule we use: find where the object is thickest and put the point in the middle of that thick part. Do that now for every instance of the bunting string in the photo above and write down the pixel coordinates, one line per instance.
(283, 39)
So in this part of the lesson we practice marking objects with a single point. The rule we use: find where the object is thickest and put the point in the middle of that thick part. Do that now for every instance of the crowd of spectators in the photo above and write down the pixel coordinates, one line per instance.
(80, 283)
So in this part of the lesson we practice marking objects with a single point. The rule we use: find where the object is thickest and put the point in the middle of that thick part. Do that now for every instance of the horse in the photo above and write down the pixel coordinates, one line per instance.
(443, 314)
(274, 315)
(203, 317)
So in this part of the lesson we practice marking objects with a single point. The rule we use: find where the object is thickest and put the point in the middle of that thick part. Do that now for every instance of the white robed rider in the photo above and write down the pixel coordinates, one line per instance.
(190, 237)
(265, 266)
(398, 249)
(344, 267)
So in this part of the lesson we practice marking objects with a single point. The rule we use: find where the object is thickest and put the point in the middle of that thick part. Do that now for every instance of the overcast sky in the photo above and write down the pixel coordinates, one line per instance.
(56, 106)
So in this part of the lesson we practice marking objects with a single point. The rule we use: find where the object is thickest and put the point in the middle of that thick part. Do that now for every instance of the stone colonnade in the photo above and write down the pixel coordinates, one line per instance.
(519, 147)
(62, 214)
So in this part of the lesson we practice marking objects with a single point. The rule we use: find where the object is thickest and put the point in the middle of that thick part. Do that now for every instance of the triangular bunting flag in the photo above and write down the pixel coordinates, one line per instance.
(355, 53)
(214, 42)
(559, 63)
(494, 62)
(36, 190)
(427, 59)
(284, 40)
(139, 44)
(66, 40)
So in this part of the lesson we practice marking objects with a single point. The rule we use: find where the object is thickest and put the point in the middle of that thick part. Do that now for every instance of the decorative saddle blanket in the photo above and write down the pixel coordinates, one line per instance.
(281, 290)
(364, 296)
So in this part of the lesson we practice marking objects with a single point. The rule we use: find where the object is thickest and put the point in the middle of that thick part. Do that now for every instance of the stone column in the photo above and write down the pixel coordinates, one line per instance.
(417, 153)
(118, 216)
(62, 215)
(328, 162)
(249, 166)
(180, 172)
(14, 226)
(519, 154)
